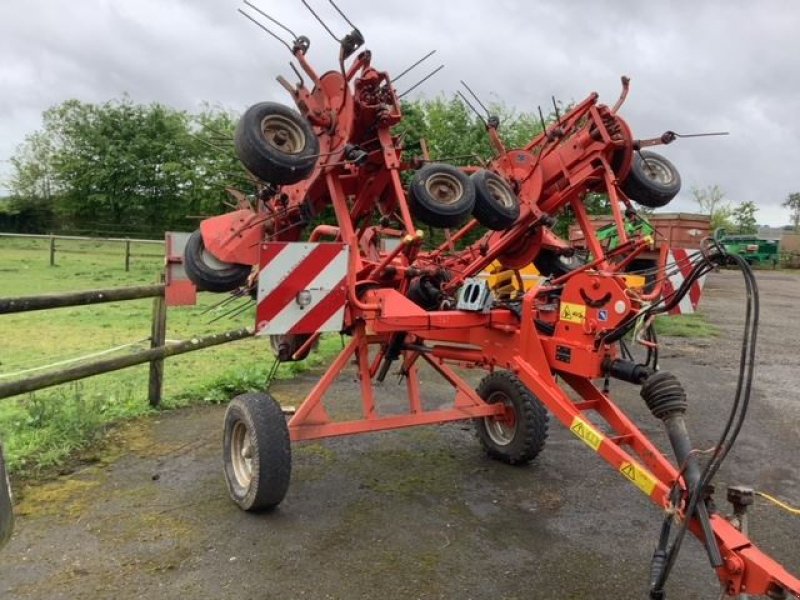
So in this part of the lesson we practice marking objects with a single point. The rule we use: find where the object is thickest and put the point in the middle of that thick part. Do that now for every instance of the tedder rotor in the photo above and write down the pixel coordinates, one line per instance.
(371, 277)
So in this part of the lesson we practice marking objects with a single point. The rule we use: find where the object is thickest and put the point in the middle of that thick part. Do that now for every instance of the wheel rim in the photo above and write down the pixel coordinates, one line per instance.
(657, 171)
(242, 454)
(444, 188)
(501, 429)
(212, 262)
(501, 193)
(283, 134)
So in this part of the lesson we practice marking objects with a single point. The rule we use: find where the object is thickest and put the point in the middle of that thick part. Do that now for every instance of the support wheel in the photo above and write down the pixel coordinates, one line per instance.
(207, 272)
(550, 264)
(496, 204)
(257, 454)
(517, 437)
(276, 144)
(441, 195)
(653, 180)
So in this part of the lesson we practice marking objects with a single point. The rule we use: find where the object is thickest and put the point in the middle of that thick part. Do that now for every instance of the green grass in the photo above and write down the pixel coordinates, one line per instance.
(694, 325)
(42, 429)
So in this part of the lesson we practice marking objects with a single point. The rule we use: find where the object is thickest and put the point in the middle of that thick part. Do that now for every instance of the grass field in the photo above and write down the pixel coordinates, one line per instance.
(41, 429)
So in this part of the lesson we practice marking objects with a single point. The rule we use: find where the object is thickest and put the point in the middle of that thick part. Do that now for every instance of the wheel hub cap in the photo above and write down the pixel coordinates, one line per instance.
(283, 134)
(445, 188)
(242, 454)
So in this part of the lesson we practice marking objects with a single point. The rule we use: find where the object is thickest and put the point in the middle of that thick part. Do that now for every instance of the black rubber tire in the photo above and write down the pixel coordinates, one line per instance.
(267, 160)
(6, 503)
(270, 450)
(208, 277)
(531, 424)
(550, 264)
(285, 345)
(652, 182)
(496, 204)
(429, 208)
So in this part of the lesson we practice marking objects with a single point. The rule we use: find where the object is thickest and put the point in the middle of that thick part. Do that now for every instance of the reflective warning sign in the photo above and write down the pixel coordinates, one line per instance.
(573, 313)
(590, 436)
(640, 477)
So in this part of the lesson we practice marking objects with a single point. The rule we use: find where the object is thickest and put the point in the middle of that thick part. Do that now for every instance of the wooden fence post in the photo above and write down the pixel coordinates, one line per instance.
(127, 255)
(158, 336)
(52, 250)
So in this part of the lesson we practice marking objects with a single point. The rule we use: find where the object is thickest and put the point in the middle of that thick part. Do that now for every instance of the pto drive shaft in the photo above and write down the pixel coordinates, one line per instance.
(666, 399)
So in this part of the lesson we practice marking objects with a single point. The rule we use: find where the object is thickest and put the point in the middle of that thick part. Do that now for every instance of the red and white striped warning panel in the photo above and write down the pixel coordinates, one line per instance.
(680, 261)
(301, 287)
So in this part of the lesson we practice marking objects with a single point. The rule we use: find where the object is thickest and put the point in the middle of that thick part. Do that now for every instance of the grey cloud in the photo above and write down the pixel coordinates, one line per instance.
(696, 66)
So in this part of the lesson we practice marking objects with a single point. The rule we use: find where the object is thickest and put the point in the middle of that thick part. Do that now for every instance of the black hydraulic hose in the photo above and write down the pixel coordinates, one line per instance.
(730, 431)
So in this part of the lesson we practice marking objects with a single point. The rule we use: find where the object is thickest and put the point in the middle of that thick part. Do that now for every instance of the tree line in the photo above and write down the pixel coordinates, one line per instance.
(121, 168)
(128, 169)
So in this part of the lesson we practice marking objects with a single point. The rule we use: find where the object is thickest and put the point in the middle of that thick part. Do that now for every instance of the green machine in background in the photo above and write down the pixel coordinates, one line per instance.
(750, 247)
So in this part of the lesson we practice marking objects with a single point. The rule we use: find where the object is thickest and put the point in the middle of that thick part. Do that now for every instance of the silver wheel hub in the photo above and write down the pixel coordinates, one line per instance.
(241, 454)
(444, 188)
(283, 134)
(656, 171)
(501, 193)
(501, 429)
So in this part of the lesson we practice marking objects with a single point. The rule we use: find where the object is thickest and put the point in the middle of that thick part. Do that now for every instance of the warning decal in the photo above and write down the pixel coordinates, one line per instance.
(590, 436)
(573, 313)
(640, 477)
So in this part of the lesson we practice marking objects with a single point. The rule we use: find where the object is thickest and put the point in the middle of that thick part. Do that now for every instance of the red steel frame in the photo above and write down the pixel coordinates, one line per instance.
(588, 149)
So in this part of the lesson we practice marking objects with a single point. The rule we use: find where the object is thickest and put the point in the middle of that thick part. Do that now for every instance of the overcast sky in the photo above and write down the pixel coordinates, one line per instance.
(695, 66)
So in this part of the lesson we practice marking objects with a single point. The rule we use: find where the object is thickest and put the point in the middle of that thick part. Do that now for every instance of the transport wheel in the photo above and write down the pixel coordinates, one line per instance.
(519, 436)
(276, 144)
(207, 272)
(284, 346)
(257, 454)
(6, 503)
(653, 180)
(550, 264)
(441, 195)
(496, 204)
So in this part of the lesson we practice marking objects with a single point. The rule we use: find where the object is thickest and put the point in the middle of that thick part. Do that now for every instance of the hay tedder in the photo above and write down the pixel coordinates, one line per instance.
(403, 302)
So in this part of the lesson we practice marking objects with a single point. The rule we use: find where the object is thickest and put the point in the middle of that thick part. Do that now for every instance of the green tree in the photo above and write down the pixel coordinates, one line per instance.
(744, 216)
(127, 168)
(452, 133)
(792, 202)
(712, 202)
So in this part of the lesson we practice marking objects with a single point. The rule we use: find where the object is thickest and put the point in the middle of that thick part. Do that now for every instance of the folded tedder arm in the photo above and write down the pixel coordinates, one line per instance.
(371, 278)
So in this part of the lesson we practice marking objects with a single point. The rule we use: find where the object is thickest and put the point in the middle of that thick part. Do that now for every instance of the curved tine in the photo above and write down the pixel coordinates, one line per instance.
(321, 22)
(419, 62)
(273, 34)
(467, 102)
(474, 95)
(421, 81)
(278, 23)
(344, 16)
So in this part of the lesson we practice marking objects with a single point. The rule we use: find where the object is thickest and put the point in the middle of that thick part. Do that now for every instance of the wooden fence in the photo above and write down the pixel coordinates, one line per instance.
(155, 355)
(53, 247)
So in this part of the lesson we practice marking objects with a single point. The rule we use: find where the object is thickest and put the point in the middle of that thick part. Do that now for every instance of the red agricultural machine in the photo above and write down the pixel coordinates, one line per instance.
(371, 278)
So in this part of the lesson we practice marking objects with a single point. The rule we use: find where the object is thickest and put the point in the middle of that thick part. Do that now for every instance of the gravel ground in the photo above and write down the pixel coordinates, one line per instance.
(419, 513)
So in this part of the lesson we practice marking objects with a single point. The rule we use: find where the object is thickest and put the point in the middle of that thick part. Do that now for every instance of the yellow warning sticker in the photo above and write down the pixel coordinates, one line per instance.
(640, 477)
(574, 313)
(590, 436)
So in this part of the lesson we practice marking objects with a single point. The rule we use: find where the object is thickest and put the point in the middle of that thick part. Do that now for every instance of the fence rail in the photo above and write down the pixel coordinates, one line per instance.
(80, 238)
(155, 355)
